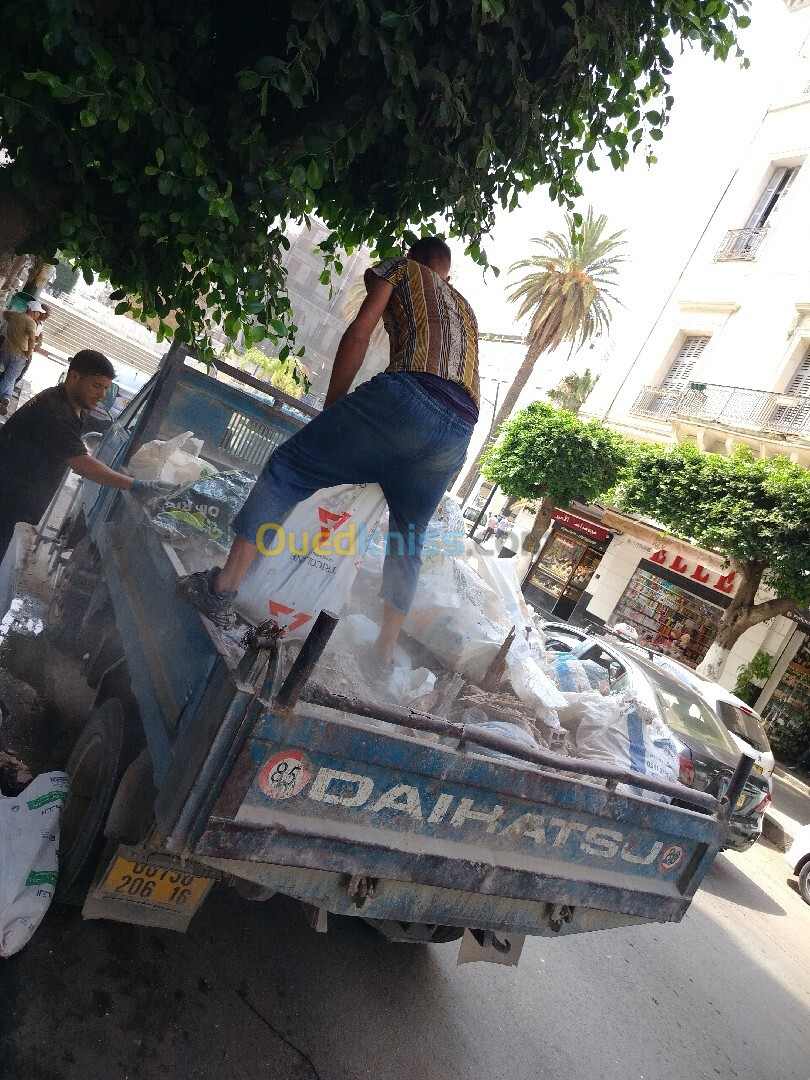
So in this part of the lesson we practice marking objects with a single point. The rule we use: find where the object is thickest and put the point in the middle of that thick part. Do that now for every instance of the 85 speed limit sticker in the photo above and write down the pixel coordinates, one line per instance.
(286, 774)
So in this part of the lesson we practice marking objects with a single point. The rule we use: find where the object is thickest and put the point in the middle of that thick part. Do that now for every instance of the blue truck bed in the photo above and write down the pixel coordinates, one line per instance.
(355, 814)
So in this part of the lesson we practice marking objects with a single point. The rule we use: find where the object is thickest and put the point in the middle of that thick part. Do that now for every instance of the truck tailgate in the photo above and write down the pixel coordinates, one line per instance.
(322, 798)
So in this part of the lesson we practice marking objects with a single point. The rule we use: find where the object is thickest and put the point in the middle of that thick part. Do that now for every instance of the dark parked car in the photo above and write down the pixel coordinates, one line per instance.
(708, 755)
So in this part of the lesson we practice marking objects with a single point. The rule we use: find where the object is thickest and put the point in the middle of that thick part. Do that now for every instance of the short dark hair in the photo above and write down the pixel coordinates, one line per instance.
(90, 362)
(430, 249)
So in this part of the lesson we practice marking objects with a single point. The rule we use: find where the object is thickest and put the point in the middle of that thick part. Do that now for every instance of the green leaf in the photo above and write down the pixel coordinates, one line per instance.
(248, 80)
(314, 175)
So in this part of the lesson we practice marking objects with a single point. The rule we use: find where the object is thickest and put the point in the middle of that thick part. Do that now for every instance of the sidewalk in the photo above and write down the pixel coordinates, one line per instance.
(789, 810)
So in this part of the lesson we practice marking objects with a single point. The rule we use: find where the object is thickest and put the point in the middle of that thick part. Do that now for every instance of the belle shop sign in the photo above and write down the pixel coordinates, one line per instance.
(723, 583)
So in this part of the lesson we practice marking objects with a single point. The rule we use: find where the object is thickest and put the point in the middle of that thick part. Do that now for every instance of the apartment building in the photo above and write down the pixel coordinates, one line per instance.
(725, 364)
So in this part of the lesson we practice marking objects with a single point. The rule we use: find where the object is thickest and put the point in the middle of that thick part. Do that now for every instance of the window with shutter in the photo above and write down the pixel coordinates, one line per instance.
(796, 418)
(680, 370)
(770, 199)
(744, 243)
(800, 383)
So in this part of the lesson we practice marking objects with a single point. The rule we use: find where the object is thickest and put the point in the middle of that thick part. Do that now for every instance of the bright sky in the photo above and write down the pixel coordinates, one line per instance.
(664, 207)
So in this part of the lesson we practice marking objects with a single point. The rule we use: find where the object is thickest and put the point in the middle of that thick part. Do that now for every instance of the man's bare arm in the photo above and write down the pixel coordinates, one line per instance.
(354, 344)
(98, 472)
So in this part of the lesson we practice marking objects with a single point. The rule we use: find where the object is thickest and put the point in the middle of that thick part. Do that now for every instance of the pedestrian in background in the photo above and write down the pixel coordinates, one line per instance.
(492, 525)
(18, 347)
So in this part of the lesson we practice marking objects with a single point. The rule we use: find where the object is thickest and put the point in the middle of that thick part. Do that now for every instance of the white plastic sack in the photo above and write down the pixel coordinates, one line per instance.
(176, 460)
(623, 732)
(29, 843)
(311, 561)
(461, 617)
(568, 673)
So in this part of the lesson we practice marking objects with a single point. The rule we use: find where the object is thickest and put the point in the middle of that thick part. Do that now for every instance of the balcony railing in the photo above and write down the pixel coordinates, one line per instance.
(731, 406)
(740, 244)
(656, 402)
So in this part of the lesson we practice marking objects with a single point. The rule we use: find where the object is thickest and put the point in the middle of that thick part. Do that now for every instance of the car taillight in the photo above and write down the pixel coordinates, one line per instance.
(763, 806)
(686, 770)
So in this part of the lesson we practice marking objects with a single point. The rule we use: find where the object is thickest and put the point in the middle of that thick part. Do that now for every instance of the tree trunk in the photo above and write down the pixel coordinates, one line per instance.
(741, 614)
(37, 275)
(14, 267)
(542, 520)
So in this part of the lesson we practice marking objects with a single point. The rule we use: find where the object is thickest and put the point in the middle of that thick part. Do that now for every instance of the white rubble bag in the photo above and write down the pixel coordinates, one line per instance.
(176, 460)
(29, 846)
(312, 558)
(461, 618)
(622, 731)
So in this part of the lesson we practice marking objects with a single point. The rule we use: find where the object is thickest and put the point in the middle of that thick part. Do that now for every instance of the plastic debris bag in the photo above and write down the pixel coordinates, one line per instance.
(622, 731)
(569, 674)
(203, 510)
(309, 562)
(463, 617)
(176, 460)
(512, 732)
(29, 845)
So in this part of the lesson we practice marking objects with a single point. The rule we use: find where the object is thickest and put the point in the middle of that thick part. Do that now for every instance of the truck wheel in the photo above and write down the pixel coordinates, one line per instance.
(95, 767)
(73, 595)
(804, 882)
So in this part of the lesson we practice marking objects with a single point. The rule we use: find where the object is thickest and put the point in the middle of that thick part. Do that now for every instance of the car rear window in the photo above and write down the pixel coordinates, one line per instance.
(743, 724)
(688, 715)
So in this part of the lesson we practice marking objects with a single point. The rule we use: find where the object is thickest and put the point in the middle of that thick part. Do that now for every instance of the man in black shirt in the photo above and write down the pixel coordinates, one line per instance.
(44, 437)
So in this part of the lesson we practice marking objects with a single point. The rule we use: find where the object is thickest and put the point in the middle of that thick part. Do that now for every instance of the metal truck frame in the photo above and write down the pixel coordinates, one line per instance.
(199, 762)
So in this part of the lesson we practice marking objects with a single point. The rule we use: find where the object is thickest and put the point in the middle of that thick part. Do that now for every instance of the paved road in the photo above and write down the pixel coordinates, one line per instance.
(790, 801)
(252, 993)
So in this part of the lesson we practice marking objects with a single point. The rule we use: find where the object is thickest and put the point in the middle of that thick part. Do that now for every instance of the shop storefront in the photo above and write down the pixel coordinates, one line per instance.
(791, 695)
(566, 564)
(674, 596)
(668, 613)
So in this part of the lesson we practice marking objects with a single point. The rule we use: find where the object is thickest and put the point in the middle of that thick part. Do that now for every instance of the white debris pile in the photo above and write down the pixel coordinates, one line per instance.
(21, 617)
(344, 671)
(466, 604)
(619, 730)
(463, 610)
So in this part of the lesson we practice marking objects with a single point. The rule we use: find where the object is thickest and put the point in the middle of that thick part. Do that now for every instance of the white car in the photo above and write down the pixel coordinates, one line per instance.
(799, 859)
(744, 725)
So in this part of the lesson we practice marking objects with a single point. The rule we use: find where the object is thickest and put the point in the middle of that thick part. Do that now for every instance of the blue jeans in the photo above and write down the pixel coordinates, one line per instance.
(13, 364)
(390, 432)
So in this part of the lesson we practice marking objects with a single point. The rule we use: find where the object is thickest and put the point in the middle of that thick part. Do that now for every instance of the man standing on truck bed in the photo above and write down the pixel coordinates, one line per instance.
(406, 429)
(44, 438)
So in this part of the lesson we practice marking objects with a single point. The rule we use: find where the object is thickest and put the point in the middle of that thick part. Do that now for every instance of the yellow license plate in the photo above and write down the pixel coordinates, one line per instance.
(741, 801)
(757, 767)
(150, 884)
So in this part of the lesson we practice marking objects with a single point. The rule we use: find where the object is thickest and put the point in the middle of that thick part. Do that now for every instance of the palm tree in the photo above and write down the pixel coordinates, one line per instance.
(567, 291)
(573, 390)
